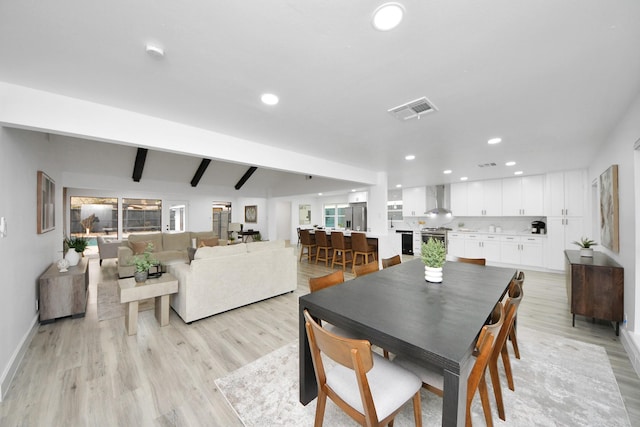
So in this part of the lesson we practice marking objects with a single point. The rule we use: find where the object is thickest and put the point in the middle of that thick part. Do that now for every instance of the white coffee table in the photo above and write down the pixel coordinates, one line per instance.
(131, 292)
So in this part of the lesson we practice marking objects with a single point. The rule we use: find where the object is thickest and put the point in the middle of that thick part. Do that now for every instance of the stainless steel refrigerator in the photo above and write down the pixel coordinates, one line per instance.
(356, 218)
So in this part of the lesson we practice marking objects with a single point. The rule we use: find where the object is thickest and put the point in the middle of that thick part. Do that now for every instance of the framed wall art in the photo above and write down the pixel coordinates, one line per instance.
(251, 213)
(46, 203)
(608, 189)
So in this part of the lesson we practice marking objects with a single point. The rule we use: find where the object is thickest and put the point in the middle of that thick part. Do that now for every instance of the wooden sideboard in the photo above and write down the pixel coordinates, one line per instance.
(595, 287)
(64, 294)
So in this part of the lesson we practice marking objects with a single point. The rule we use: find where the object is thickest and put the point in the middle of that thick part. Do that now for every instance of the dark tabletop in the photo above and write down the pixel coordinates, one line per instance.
(398, 310)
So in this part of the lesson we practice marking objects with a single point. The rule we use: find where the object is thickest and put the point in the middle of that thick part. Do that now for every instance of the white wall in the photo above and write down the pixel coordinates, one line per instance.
(24, 253)
(618, 149)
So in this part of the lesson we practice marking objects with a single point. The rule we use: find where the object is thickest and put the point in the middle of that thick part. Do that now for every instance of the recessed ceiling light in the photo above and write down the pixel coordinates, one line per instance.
(447, 172)
(155, 51)
(464, 178)
(270, 99)
(398, 185)
(494, 141)
(510, 163)
(409, 157)
(319, 194)
(387, 16)
(353, 190)
(518, 173)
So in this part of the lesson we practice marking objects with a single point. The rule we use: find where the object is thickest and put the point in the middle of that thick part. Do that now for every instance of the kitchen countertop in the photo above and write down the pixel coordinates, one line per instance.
(501, 233)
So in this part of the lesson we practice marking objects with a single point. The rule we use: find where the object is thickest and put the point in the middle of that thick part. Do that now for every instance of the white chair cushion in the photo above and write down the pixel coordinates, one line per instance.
(428, 373)
(391, 386)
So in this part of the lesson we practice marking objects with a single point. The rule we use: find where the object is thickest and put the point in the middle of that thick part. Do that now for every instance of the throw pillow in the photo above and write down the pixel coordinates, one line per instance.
(138, 247)
(192, 253)
(208, 242)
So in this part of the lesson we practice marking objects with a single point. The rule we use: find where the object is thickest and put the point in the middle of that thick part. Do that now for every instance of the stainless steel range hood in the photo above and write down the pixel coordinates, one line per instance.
(440, 212)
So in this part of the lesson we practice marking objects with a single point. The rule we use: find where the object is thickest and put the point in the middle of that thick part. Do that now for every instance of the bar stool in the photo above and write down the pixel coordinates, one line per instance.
(342, 253)
(323, 246)
(309, 242)
(361, 247)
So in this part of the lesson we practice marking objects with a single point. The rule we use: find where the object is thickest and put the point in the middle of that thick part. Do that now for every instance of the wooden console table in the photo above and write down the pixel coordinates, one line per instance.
(63, 294)
(595, 287)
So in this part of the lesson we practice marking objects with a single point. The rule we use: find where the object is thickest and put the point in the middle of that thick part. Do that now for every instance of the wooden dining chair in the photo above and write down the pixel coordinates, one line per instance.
(342, 252)
(513, 333)
(500, 349)
(368, 388)
(364, 269)
(324, 251)
(308, 242)
(361, 248)
(319, 283)
(390, 262)
(477, 261)
(433, 379)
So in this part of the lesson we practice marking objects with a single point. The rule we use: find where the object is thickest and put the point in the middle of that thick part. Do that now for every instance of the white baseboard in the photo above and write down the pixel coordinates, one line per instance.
(16, 358)
(631, 343)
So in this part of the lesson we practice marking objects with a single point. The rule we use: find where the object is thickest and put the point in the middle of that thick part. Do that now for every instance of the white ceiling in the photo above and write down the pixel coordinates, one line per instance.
(551, 77)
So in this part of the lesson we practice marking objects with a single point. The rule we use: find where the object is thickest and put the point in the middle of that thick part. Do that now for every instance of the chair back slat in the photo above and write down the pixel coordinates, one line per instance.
(318, 283)
(390, 262)
(364, 269)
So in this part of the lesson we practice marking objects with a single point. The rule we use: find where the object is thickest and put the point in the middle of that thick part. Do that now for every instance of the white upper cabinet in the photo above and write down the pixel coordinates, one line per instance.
(566, 193)
(459, 202)
(484, 198)
(414, 201)
(523, 196)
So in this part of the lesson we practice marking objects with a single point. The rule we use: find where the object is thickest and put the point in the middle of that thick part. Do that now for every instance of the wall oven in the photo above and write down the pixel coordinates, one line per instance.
(435, 233)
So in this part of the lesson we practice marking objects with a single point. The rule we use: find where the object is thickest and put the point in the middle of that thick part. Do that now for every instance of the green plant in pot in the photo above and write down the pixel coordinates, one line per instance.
(586, 246)
(433, 254)
(143, 262)
(73, 249)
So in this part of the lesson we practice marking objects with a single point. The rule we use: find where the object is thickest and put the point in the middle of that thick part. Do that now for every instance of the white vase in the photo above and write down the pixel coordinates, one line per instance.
(73, 257)
(586, 252)
(433, 274)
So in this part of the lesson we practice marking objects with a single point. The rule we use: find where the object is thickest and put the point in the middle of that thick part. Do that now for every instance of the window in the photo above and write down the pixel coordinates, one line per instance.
(334, 215)
(141, 215)
(93, 216)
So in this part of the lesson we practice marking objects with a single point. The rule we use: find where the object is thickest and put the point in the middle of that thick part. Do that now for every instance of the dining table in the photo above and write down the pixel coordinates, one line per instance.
(399, 311)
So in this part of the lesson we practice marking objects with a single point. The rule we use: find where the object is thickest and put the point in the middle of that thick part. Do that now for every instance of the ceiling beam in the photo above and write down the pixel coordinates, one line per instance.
(245, 177)
(204, 164)
(141, 157)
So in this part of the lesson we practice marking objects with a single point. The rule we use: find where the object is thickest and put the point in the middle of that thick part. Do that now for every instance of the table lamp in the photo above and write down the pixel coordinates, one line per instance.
(234, 227)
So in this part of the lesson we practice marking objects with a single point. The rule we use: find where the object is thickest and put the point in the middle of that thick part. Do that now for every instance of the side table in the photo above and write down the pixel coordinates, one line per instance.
(131, 293)
(63, 294)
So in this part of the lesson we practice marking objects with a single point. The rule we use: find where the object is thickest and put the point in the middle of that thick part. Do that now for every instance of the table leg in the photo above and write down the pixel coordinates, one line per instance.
(454, 399)
(131, 318)
(162, 310)
(308, 385)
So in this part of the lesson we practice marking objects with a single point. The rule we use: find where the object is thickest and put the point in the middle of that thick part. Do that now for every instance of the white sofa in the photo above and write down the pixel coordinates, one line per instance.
(222, 278)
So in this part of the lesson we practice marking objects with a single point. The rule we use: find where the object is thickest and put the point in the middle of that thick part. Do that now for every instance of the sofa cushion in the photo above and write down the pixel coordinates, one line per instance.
(154, 238)
(265, 246)
(213, 241)
(176, 241)
(138, 248)
(220, 251)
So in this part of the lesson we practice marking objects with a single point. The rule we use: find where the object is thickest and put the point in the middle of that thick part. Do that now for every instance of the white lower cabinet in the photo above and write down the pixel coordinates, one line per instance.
(522, 250)
(485, 246)
(455, 244)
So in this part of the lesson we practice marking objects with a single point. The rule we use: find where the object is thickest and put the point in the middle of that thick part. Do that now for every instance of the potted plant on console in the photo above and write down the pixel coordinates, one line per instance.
(74, 248)
(143, 263)
(585, 244)
(433, 254)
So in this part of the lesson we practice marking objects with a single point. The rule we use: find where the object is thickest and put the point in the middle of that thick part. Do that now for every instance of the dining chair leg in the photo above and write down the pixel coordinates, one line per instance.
(417, 409)
(497, 390)
(484, 397)
(320, 407)
(507, 366)
(514, 342)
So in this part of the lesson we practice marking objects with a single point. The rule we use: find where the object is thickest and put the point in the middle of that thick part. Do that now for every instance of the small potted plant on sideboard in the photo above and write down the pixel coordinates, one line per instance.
(585, 245)
(74, 248)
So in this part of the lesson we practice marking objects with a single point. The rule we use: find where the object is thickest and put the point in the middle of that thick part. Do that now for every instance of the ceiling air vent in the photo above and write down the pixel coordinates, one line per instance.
(486, 165)
(413, 109)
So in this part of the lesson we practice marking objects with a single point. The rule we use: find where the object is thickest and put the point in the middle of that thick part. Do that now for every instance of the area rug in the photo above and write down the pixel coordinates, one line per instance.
(109, 306)
(558, 381)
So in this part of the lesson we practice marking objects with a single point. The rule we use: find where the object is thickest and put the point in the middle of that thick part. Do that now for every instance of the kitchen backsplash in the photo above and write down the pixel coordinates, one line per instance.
(508, 224)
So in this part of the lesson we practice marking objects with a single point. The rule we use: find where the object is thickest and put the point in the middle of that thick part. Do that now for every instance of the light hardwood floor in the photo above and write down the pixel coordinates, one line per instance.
(82, 372)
